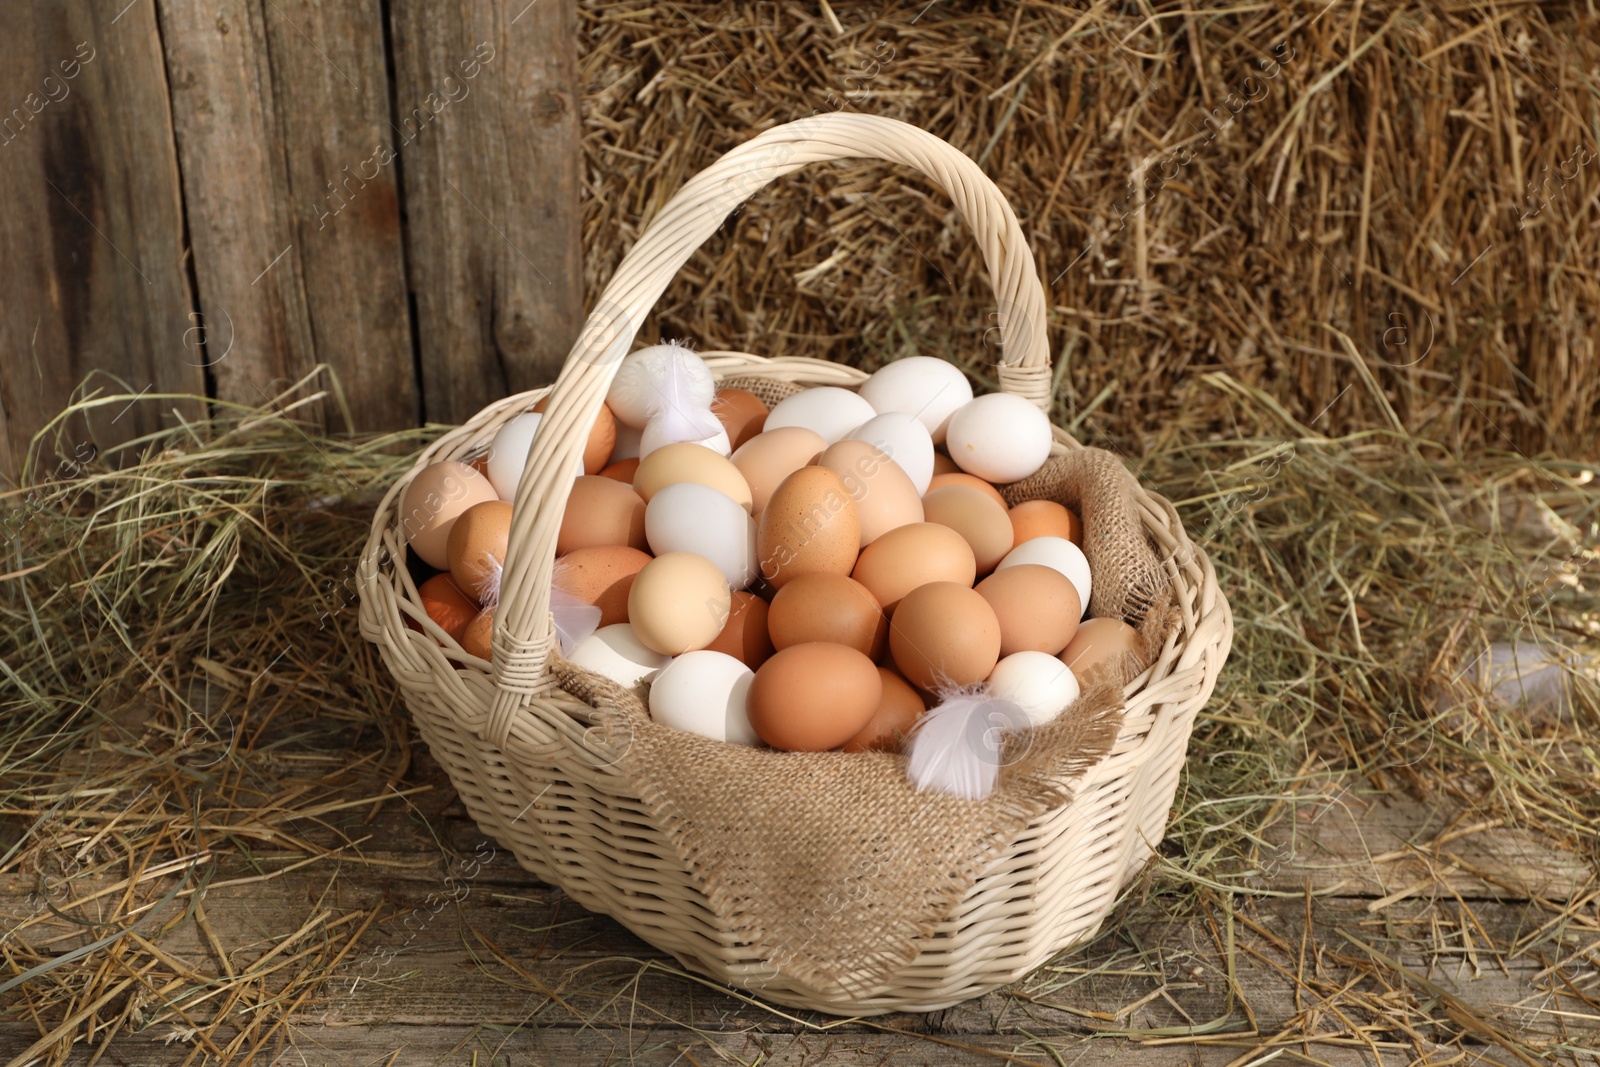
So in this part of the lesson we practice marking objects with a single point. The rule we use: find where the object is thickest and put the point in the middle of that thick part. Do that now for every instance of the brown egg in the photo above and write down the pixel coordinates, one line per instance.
(745, 636)
(1102, 645)
(685, 461)
(809, 526)
(829, 608)
(623, 470)
(601, 575)
(477, 548)
(813, 697)
(601, 511)
(898, 711)
(882, 491)
(944, 635)
(431, 502)
(480, 463)
(914, 555)
(741, 413)
(768, 458)
(939, 481)
(679, 602)
(970, 513)
(1037, 606)
(446, 604)
(1044, 518)
(943, 464)
(602, 439)
(477, 637)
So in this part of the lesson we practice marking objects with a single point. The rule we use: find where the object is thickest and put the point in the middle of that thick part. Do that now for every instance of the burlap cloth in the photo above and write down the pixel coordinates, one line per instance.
(829, 865)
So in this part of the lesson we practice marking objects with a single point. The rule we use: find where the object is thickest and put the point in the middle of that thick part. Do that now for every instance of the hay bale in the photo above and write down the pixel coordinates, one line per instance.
(1376, 181)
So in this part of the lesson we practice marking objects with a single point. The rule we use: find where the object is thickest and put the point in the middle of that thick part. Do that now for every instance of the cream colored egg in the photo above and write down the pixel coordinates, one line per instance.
(679, 602)
(687, 462)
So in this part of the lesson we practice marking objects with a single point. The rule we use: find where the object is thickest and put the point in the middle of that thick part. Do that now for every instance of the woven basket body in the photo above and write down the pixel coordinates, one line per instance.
(541, 777)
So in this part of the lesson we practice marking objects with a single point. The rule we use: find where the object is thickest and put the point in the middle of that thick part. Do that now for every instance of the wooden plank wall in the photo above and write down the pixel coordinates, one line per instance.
(215, 198)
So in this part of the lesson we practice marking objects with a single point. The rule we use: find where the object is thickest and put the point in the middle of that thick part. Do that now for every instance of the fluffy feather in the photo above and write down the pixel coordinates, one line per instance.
(956, 747)
(661, 378)
(574, 619)
(491, 570)
(670, 427)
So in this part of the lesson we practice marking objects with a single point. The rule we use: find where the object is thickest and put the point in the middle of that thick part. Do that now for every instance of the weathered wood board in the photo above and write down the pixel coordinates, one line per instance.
(222, 197)
(92, 228)
(332, 90)
(252, 288)
(438, 948)
(487, 117)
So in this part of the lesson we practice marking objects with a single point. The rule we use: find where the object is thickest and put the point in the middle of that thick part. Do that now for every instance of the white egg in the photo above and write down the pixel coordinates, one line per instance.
(705, 693)
(617, 653)
(508, 454)
(1037, 682)
(690, 517)
(628, 441)
(903, 438)
(929, 389)
(701, 428)
(1059, 554)
(999, 437)
(648, 377)
(828, 410)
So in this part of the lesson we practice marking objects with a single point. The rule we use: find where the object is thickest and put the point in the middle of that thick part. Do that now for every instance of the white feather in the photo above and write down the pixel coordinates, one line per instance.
(574, 619)
(957, 747)
(660, 378)
(701, 427)
(492, 570)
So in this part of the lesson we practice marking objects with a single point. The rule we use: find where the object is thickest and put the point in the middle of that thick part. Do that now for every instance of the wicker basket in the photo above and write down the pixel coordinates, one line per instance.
(536, 775)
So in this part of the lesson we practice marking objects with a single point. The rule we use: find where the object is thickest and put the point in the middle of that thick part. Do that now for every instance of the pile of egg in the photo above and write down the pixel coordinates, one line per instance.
(811, 577)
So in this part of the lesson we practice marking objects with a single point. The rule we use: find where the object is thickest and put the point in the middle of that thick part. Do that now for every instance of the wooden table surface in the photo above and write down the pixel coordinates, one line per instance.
(500, 969)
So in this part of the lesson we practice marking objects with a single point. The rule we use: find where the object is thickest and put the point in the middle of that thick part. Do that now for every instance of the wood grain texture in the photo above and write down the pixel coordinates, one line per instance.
(246, 255)
(486, 101)
(331, 90)
(460, 952)
(651, 1044)
(92, 227)
(524, 963)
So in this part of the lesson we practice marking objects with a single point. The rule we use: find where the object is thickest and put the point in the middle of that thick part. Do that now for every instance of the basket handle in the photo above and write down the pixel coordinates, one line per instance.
(522, 631)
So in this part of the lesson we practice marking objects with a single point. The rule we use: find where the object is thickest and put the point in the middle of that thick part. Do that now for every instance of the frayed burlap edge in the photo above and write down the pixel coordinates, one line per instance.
(768, 390)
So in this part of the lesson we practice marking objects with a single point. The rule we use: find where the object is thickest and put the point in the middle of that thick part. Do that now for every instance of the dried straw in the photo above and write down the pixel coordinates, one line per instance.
(1411, 178)
(171, 706)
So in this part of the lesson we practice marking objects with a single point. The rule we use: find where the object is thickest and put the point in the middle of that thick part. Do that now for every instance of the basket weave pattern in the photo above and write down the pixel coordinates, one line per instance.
(538, 774)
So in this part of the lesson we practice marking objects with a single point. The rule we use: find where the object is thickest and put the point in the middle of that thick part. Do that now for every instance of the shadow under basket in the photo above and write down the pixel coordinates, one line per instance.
(545, 774)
